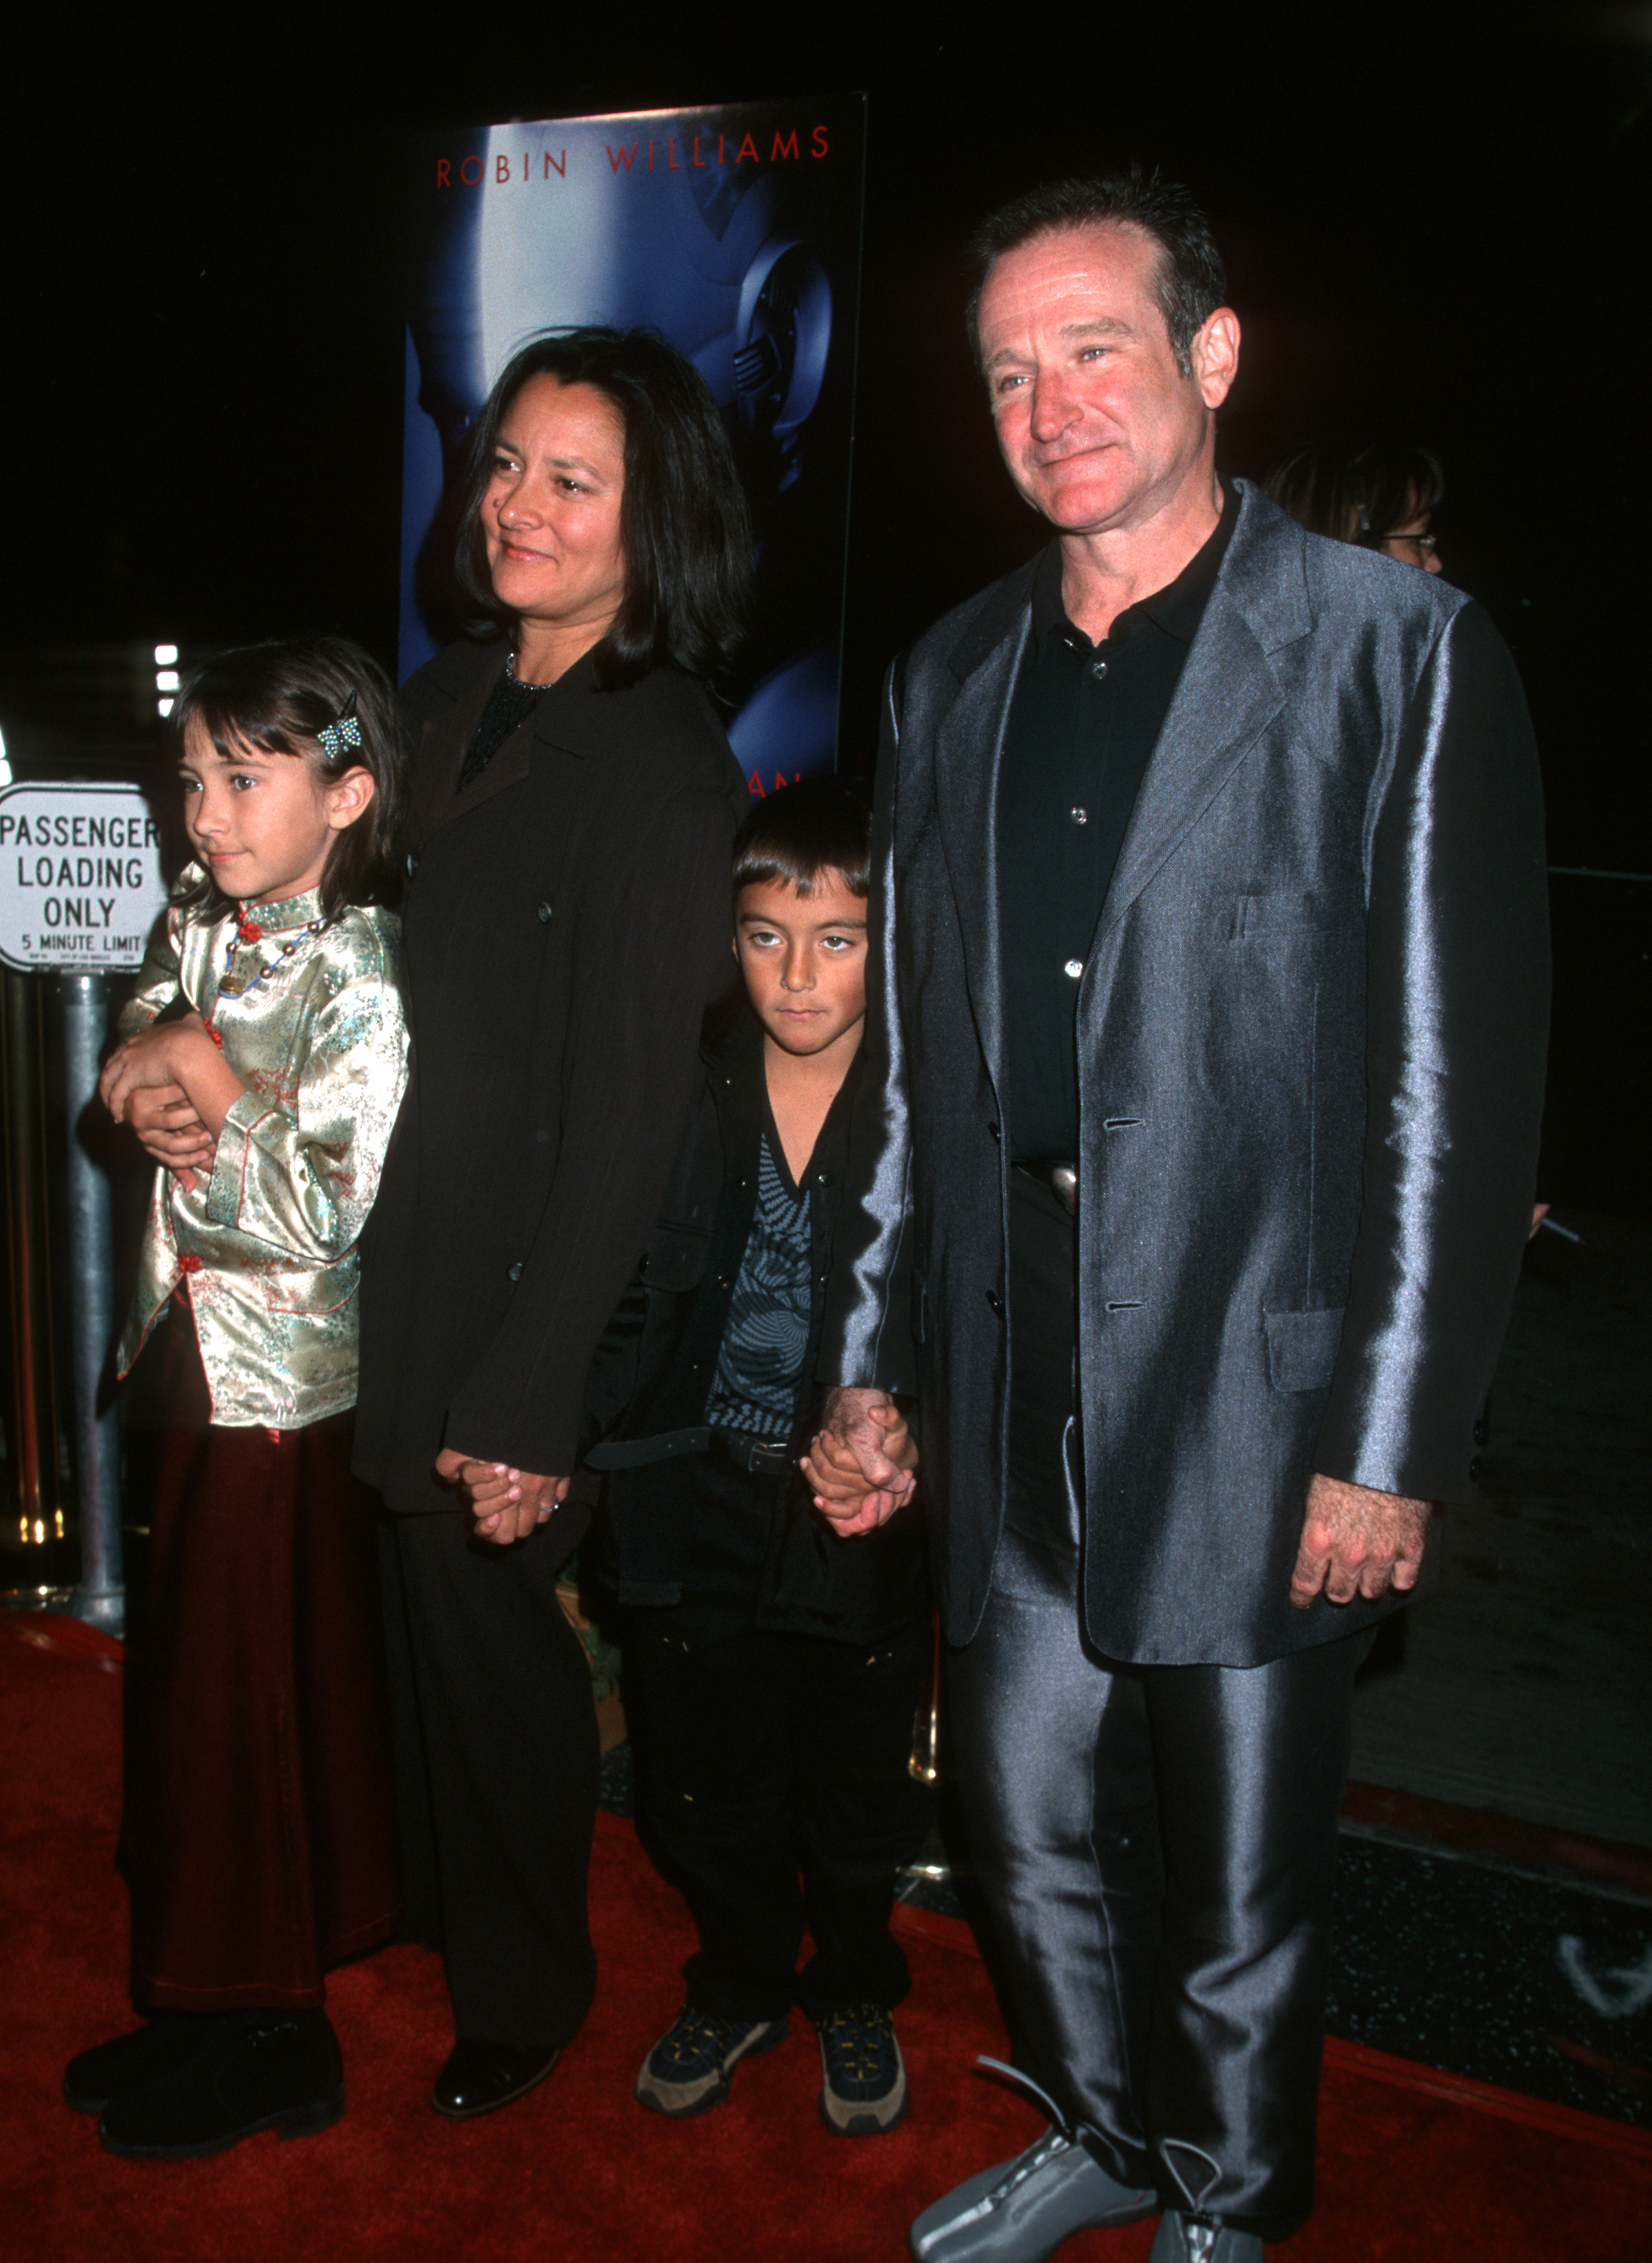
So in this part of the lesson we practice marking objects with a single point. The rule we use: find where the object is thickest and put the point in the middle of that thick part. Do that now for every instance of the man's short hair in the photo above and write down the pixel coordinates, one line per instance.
(819, 825)
(1191, 282)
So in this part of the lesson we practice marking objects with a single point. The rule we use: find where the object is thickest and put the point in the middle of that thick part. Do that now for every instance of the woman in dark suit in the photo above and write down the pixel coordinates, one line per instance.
(574, 800)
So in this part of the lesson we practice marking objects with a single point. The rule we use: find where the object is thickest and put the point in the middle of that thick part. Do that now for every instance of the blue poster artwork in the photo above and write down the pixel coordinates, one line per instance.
(733, 232)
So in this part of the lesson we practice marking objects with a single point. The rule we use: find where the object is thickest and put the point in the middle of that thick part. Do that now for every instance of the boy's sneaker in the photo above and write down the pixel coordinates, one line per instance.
(864, 2089)
(687, 2070)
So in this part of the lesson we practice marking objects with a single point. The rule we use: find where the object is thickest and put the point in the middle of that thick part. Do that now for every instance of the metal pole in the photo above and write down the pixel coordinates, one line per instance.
(101, 1596)
(35, 1443)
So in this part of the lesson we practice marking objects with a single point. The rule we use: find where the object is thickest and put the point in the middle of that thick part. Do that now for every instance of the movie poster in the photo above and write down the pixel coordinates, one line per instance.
(734, 233)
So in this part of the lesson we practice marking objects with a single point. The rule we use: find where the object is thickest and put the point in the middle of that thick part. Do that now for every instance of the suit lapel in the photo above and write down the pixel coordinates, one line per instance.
(1227, 696)
(969, 740)
(575, 727)
(467, 674)
(506, 767)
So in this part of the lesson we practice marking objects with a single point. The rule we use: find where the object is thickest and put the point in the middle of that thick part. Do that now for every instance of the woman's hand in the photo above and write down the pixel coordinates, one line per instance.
(505, 1505)
(180, 1053)
(144, 1062)
(168, 1131)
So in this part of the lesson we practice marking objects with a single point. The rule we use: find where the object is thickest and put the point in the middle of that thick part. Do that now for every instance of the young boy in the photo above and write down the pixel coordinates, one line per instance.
(772, 1670)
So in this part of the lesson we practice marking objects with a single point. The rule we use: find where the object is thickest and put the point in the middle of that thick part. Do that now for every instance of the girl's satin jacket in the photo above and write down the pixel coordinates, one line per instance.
(267, 1241)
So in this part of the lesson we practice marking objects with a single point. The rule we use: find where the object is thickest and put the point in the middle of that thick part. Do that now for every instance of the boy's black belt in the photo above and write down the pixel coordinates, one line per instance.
(747, 1450)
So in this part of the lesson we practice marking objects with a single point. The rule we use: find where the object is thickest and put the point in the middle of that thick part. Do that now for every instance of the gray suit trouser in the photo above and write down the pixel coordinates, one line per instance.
(1157, 1844)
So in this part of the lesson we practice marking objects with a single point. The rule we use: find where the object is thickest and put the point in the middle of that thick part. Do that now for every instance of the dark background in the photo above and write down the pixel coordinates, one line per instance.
(1435, 223)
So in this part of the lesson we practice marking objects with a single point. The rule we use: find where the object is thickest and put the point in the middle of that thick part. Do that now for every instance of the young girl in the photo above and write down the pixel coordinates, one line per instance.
(263, 1063)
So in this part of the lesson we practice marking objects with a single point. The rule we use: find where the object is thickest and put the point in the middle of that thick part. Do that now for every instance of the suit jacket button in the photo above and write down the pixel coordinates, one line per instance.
(514, 1272)
(1480, 1431)
(545, 914)
(996, 1131)
(996, 1301)
(1474, 1471)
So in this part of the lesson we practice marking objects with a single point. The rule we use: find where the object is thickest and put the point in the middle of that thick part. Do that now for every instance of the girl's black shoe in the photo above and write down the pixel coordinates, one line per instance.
(160, 2047)
(268, 2069)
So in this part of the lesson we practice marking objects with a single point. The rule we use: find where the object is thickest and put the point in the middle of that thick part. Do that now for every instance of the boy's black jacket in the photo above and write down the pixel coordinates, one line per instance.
(655, 1365)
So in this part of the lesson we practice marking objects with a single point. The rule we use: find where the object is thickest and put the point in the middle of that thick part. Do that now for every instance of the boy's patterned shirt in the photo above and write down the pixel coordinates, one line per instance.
(766, 1338)
(266, 1241)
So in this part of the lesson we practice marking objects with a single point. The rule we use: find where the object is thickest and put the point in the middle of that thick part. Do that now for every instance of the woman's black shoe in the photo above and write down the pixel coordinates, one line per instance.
(479, 2078)
(269, 2070)
(163, 2044)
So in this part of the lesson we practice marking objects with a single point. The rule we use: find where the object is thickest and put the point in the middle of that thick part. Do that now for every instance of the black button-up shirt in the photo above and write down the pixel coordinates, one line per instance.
(1083, 725)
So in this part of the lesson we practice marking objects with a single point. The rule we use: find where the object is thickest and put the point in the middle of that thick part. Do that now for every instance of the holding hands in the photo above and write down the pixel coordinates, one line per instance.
(505, 1505)
(860, 1461)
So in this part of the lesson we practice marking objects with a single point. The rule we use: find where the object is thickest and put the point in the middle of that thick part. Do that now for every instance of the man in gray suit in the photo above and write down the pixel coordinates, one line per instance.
(1204, 1081)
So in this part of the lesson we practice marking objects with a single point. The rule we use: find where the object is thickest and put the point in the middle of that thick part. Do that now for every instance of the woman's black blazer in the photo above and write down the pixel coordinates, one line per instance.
(567, 923)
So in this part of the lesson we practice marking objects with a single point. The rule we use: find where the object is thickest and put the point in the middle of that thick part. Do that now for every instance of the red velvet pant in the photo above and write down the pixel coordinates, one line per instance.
(258, 1836)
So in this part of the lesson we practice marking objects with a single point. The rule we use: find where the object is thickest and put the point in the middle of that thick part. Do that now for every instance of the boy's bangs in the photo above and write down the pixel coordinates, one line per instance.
(763, 871)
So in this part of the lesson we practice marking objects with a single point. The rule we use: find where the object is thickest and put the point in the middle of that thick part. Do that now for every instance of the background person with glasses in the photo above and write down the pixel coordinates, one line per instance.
(1382, 496)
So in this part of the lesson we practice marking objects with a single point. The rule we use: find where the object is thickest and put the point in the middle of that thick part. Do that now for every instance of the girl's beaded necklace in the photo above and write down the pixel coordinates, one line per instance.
(231, 985)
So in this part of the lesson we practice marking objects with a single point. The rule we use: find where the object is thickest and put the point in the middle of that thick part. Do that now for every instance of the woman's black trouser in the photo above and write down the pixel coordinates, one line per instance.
(496, 1773)
(1157, 1844)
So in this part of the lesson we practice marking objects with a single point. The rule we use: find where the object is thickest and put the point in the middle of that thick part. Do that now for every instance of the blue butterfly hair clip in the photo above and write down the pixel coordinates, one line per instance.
(333, 738)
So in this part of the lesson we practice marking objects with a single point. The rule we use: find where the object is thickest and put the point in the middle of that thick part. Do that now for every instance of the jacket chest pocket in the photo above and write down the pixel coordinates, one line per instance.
(1283, 912)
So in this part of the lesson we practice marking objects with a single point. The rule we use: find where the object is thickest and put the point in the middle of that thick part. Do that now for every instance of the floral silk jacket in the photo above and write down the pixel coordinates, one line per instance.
(267, 1243)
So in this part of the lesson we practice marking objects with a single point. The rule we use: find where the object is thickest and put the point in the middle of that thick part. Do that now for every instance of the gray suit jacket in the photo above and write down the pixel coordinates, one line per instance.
(1311, 1029)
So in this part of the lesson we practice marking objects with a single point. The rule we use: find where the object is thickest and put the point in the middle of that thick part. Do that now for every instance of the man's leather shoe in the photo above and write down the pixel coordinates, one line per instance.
(1022, 2210)
(1200, 2239)
(163, 2044)
(266, 2070)
(481, 2077)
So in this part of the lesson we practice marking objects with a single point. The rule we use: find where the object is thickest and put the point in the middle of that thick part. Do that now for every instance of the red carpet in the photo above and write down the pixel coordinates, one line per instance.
(1412, 2164)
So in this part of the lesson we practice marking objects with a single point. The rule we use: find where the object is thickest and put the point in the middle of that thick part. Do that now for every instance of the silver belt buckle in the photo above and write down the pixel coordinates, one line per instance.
(769, 1456)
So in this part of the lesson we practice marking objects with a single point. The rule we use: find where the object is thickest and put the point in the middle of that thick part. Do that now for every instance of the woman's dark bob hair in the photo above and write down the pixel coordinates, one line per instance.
(684, 525)
(277, 697)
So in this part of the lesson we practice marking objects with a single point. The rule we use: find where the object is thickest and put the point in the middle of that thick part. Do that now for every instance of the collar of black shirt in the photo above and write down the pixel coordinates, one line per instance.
(731, 1047)
(1178, 609)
